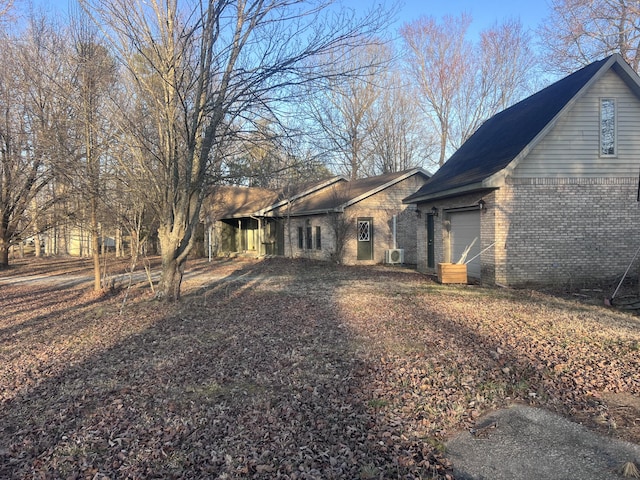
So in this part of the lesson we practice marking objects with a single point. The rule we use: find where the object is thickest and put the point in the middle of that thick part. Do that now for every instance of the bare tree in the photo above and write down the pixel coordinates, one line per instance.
(91, 76)
(268, 156)
(461, 84)
(199, 68)
(398, 141)
(28, 113)
(577, 32)
(439, 62)
(341, 108)
(6, 8)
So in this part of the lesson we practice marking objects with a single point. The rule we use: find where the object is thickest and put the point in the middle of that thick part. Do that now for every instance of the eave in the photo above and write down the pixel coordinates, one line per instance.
(452, 192)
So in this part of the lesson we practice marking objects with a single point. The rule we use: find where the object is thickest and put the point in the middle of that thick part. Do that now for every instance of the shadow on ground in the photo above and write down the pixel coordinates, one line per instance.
(249, 377)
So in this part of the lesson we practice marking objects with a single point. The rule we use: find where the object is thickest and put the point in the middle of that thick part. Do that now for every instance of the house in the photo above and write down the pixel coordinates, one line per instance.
(355, 222)
(546, 191)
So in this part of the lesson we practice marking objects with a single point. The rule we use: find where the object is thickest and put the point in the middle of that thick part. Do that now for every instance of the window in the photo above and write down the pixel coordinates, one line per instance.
(318, 239)
(363, 230)
(607, 127)
(300, 238)
(309, 238)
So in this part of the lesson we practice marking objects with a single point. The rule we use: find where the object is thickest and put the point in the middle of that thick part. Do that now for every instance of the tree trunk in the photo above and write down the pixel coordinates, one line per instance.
(175, 244)
(95, 246)
(119, 251)
(172, 270)
(36, 231)
(4, 251)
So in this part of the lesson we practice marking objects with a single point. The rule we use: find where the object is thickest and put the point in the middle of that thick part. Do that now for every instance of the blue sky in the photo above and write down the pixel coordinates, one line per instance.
(484, 12)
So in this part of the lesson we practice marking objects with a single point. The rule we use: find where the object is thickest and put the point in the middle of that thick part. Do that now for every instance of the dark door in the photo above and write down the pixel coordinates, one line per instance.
(365, 238)
(431, 260)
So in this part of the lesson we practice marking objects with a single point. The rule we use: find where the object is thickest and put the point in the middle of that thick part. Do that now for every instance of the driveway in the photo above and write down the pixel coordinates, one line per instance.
(524, 443)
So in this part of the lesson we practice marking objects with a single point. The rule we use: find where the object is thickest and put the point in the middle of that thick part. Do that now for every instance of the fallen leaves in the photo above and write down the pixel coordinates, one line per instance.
(290, 369)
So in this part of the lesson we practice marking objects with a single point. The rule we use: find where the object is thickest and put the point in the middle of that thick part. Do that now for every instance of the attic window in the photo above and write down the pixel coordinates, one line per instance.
(607, 127)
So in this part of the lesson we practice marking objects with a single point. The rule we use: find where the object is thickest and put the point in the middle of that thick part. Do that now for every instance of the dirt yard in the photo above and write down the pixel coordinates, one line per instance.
(289, 369)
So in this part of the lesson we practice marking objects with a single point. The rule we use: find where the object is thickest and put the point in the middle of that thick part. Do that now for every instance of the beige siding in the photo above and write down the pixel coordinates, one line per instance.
(571, 149)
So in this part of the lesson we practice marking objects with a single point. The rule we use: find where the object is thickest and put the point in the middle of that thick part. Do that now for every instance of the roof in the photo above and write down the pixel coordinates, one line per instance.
(508, 136)
(333, 194)
(237, 202)
(227, 201)
(344, 194)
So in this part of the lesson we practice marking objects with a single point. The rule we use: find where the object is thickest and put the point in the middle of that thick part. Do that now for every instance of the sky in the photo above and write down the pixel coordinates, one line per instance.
(484, 12)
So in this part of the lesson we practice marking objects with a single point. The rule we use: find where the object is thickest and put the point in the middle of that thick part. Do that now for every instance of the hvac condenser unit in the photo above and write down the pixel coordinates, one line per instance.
(395, 255)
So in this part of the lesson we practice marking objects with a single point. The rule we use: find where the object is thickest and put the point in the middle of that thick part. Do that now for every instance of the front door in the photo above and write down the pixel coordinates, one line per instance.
(365, 238)
(431, 260)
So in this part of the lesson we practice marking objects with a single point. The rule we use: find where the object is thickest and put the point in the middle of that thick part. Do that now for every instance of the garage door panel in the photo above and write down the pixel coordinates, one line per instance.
(465, 227)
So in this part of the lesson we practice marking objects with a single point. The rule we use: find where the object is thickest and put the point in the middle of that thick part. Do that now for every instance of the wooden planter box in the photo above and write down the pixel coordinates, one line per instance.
(452, 273)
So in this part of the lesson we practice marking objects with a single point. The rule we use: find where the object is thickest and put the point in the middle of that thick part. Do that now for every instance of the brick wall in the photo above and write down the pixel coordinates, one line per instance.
(548, 231)
(441, 229)
(566, 231)
(381, 207)
(291, 246)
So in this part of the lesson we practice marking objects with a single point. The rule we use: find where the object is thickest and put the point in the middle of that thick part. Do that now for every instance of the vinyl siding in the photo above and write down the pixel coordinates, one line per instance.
(571, 148)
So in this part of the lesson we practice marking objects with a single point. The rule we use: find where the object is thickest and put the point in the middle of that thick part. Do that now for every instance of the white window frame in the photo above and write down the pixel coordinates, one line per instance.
(615, 127)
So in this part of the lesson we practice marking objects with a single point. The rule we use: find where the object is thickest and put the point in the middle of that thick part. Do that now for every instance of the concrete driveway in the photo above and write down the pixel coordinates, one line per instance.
(524, 443)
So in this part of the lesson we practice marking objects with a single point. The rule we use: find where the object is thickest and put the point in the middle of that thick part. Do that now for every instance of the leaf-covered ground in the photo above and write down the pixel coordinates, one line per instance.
(290, 369)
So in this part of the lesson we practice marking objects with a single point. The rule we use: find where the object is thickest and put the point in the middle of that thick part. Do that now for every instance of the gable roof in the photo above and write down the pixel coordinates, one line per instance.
(507, 137)
(344, 194)
(227, 201)
(330, 195)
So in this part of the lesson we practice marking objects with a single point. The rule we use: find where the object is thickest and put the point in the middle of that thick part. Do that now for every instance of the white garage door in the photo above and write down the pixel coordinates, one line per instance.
(465, 227)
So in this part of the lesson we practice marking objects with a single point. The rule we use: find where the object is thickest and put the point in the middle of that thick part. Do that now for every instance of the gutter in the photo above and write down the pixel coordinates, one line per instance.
(453, 192)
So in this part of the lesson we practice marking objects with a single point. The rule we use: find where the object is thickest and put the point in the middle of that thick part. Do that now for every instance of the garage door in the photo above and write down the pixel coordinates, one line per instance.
(465, 227)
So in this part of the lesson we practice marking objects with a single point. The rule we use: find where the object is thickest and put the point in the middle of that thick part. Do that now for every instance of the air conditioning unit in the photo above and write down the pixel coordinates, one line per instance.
(395, 255)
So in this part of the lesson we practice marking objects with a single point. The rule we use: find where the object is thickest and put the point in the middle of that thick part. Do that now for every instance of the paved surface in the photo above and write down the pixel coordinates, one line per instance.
(524, 443)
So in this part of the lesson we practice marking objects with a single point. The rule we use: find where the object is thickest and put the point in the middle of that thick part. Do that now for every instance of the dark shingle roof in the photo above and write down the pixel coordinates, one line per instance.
(504, 136)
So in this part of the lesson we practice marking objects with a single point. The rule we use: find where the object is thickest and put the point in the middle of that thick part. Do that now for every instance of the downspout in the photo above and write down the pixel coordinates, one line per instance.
(395, 231)
(210, 246)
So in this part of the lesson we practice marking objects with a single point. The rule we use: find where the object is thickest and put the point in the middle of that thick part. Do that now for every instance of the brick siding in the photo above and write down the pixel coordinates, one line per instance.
(549, 231)
(381, 207)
